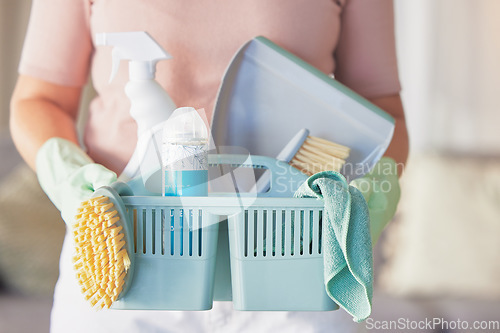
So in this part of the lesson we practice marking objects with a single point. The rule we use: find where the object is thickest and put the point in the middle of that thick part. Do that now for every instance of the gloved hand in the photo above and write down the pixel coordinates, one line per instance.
(68, 175)
(380, 188)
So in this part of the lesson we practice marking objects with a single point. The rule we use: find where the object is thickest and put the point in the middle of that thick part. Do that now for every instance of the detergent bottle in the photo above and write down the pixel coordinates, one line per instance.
(185, 154)
(150, 103)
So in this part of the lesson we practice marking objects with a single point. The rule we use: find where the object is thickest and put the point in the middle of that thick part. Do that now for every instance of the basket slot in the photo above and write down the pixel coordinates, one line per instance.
(252, 222)
(297, 232)
(288, 238)
(248, 234)
(320, 231)
(148, 231)
(188, 232)
(259, 234)
(131, 215)
(245, 233)
(166, 218)
(269, 236)
(278, 233)
(139, 230)
(176, 221)
(201, 216)
(202, 244)
(145, 230)
(196, 233)
(183, 229)
(175, 216)
(254, 239)
(307, 236)
(158, 232)
(316, 233)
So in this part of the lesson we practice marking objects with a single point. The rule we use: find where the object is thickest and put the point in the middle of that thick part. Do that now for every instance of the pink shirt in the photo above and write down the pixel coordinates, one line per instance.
(352, 38)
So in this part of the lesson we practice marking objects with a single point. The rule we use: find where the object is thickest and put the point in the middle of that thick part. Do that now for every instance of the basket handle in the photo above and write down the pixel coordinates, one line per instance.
(285, 179)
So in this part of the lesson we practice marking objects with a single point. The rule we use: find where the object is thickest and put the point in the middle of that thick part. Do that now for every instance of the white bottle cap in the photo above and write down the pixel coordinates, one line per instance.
(185, 125)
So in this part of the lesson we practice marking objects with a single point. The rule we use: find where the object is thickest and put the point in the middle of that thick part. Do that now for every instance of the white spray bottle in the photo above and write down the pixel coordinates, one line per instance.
(150, 103)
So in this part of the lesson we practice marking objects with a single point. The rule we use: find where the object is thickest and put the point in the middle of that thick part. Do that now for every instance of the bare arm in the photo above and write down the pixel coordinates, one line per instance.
(398, 149)
(40, 110)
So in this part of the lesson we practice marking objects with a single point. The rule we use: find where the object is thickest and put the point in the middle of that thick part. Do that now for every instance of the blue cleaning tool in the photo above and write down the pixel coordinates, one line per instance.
(268, 94)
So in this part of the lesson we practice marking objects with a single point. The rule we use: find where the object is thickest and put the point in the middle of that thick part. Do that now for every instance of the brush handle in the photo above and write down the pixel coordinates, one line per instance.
(286, 155)
(289, 151)
(122, 189)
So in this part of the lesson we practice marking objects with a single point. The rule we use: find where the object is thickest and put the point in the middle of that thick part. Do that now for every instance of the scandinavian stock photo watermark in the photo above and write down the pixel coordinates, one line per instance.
(432, 324)
(380, 180)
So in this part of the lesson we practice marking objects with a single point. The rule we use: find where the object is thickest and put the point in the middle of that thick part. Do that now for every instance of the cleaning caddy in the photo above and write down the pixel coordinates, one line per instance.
(302, 244)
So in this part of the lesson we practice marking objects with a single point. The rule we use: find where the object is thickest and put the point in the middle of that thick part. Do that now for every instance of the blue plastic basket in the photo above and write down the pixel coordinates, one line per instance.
(274, 248)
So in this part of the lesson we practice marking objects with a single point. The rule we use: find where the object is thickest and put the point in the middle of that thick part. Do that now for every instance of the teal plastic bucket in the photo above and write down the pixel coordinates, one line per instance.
(268, 257)
(276, 263)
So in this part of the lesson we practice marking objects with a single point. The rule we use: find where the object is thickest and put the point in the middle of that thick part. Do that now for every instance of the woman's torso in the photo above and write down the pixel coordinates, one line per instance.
(202, 37)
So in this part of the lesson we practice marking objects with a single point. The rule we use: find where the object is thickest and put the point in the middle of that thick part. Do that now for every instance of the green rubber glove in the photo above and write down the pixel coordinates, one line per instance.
(380, 188)
(68, 175)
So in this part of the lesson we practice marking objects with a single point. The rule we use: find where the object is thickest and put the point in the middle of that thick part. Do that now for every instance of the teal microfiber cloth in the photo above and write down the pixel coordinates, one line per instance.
(347, 247)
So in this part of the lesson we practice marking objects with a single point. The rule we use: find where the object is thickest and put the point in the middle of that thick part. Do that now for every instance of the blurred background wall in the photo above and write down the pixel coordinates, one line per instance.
(31, 230)
(446, 237)
(441, 255)
(13, 19)
(449, 53)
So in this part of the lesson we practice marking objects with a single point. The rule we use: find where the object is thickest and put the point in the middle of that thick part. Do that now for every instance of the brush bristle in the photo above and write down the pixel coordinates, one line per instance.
(101, 260)
(316, 155)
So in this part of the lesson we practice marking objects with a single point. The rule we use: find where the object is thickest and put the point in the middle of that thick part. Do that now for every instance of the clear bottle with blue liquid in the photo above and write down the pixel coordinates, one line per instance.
(185, 154)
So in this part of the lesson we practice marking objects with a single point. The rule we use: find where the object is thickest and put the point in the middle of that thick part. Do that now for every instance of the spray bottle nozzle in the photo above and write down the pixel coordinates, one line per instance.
(138, 47)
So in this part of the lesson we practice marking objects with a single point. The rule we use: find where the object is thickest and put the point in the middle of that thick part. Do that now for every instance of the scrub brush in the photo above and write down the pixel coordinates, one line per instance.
(104, 246)
(309, 155)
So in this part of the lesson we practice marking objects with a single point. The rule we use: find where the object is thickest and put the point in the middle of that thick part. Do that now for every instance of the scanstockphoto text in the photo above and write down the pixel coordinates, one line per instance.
(432, 324)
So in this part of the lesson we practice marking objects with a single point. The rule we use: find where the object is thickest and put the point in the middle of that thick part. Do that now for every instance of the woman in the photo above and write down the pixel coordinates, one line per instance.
(353, 39)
